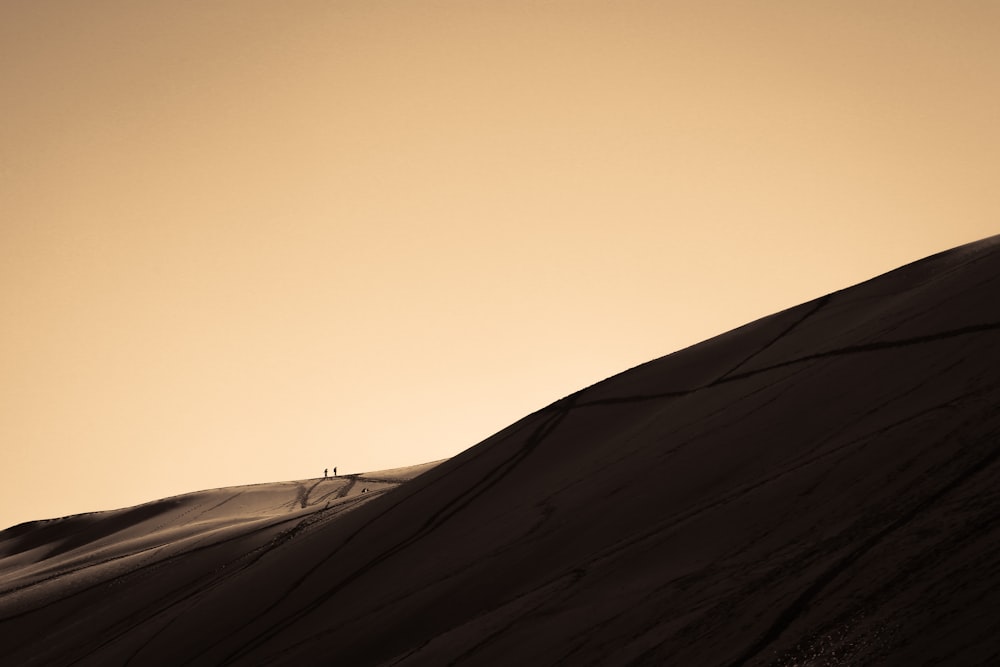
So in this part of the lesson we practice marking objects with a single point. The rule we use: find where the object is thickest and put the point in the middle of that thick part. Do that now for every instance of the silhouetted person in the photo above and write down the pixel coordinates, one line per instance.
(325, 470)
(334, 471)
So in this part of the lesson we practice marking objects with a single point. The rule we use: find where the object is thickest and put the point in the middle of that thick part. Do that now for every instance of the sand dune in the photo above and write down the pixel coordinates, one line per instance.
(821, 486)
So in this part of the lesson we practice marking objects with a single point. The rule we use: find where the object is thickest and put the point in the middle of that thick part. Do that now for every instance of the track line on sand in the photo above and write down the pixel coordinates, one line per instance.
(860, 348)
(801, 603)
(493, 477)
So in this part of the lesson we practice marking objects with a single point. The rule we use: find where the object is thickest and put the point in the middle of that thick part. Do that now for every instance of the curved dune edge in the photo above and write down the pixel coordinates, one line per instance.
(816, 487)
(40, 551)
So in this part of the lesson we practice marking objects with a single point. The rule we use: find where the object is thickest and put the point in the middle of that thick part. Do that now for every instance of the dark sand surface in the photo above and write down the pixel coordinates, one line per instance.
(819, 487)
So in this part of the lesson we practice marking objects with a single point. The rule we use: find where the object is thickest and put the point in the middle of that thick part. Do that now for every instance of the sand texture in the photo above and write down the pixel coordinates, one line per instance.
(818, 487)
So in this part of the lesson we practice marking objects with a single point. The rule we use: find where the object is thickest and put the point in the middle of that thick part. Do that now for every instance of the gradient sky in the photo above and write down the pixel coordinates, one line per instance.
(242, 241)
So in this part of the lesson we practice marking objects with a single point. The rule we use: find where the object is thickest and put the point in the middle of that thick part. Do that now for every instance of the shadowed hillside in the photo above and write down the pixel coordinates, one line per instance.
(818, 487)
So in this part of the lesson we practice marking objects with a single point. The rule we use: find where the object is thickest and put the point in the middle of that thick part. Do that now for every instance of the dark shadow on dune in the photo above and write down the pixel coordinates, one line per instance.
(801, 603)
(851, 349)
(819, 304)
(73, 532)
(430, 524)
(139, 571)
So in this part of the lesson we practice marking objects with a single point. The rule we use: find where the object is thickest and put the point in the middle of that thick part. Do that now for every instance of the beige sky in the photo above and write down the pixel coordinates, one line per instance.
(243, 241)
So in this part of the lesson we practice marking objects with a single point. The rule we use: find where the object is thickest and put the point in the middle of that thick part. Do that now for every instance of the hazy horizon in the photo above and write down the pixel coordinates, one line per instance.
(244, 242)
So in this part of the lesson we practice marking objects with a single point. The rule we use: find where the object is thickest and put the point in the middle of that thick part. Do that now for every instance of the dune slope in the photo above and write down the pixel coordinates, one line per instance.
(821, 486)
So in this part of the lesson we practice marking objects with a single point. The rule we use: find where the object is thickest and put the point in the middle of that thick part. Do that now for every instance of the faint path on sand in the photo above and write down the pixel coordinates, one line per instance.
(303, 493)
(352, 480)
(548, 423)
